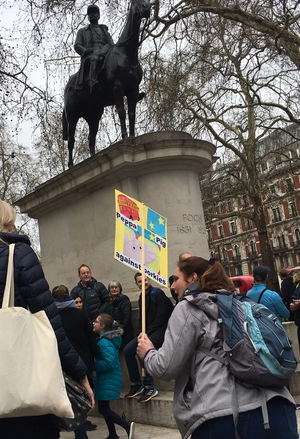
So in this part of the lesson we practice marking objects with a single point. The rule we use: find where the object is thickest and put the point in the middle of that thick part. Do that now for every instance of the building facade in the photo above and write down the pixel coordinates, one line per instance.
(232, 235)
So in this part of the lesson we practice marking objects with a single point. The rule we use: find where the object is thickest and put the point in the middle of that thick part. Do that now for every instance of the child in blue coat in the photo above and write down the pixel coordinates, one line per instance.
(108, 374)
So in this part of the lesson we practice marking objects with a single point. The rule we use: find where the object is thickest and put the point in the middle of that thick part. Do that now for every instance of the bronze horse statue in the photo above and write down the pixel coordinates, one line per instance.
(120, 76)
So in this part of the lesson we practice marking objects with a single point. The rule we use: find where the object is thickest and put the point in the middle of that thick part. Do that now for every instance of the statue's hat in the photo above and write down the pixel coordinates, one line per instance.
(93, 7)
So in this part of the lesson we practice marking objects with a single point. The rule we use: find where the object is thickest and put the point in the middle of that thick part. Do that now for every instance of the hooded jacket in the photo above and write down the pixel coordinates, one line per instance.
(120, 310)
(95, 298)
(203, 385)
(79, 331)
(107, 366)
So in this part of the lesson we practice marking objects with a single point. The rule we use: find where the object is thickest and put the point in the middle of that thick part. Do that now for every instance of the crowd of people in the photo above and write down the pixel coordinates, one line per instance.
(93, 323)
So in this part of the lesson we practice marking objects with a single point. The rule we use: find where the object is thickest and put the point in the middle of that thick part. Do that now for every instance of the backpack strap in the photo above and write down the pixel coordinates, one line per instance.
(260, 296)
(213, 355)
(234, 400)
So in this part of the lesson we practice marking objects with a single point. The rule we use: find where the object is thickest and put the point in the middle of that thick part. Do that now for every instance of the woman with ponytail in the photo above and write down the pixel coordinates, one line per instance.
(204, 386)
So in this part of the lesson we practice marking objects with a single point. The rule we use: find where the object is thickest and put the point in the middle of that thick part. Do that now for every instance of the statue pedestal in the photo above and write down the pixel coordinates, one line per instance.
(76, 211)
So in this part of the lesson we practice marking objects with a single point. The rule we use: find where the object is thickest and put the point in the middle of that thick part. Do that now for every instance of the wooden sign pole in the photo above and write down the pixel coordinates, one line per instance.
(143, 281)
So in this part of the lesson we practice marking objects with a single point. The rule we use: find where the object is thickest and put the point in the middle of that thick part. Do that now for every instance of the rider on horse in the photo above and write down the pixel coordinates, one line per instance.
(92, 44)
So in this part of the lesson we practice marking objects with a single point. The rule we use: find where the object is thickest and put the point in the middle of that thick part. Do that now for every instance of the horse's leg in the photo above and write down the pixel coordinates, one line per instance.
(71, 138)
(132, 99)
(119, 102)
(93, 129)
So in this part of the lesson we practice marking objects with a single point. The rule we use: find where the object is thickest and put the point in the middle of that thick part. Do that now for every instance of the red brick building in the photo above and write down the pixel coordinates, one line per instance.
(233, 238)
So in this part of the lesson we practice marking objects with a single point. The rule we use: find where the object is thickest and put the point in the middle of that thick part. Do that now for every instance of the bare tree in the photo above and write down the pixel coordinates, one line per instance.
(19, 176)
(224, 83)
(277, 20)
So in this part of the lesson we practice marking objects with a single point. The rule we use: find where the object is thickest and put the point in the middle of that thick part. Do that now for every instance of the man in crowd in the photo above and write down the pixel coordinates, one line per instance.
(94, 295)
(158, 311)
(260, 293)
(287, 289)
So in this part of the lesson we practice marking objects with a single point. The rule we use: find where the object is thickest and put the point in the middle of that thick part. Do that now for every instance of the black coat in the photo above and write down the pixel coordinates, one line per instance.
(95, 298)
(296, 295)
(157, 315)
(287, 290)
(120, 310)
(32, 291)
(79, 331)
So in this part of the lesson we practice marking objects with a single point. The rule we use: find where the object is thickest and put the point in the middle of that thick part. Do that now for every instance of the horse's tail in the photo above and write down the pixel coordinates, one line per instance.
(65, 126)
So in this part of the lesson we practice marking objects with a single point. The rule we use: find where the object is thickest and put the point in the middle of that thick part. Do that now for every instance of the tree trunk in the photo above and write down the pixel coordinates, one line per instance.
(265, 246)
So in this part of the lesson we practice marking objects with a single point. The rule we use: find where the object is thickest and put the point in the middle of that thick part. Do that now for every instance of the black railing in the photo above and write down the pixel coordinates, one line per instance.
(280, 248)
(236, 258)
(252, 255)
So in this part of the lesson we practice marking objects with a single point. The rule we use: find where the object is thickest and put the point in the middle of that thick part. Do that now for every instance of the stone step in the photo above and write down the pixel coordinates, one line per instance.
(158, 384)
(295, 383)
(158, 411)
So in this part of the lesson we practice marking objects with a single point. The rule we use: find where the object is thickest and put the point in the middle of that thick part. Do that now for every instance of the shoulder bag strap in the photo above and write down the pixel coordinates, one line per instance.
(260, 296)
(9, 291)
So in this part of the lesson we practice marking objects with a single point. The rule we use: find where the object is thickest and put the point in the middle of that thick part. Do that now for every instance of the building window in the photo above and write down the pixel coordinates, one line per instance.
(239, 270)
(209, 234)
(220, 232)
(276, 214)
(278, 162)
(232, 228)
(264, 166)
(253, 247)
(249, 225)
(293, 209)
(236, 249)
(273, 189)
(293, 154)
(227, 271)
(281, 241)
(217, 208)
(289, 185)
(212, 254)
(229, 206)
(224, 254)
(245, 201)
(297, 235)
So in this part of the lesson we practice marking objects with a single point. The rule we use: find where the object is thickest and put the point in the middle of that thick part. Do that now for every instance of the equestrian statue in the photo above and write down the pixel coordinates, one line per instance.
(107, 73)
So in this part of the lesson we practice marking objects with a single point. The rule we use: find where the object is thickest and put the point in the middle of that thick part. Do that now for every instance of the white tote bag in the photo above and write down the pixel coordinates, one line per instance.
(31, 379)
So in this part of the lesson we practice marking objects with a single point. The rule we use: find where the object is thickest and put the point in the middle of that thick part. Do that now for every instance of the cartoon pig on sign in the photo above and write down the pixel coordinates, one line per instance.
(133, 249)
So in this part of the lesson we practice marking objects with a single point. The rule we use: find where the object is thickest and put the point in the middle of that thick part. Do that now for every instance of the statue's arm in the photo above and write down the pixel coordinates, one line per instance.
(79, 43)
(109, 39)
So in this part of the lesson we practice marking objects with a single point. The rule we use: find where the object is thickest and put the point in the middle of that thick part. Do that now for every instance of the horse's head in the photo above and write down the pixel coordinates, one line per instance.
(141, 8)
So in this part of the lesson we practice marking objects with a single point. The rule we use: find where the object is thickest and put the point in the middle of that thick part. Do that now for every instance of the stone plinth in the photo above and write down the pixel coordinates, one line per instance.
(76, 211)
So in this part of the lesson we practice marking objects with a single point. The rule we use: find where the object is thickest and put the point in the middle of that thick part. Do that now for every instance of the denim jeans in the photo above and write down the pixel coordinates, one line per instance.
(80, 432)
(282, 420)
(132, 366)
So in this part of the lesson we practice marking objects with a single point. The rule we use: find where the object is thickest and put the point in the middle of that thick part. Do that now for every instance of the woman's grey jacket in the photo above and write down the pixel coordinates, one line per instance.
(203, 385)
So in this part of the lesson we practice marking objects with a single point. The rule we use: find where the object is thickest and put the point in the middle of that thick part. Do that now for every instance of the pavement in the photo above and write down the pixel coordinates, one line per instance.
(141, 431)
